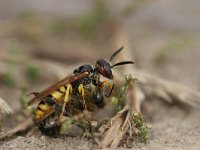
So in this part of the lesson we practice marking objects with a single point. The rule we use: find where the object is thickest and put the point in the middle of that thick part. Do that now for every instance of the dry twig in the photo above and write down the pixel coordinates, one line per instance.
(167, 90)
(18, 129)
(119, 124)
(161, 88)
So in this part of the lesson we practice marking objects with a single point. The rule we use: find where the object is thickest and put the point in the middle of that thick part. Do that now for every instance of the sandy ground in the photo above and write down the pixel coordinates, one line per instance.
(174, 126)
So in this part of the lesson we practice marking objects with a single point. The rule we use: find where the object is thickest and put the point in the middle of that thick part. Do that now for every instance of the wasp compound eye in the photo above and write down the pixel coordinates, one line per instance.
(104, 68)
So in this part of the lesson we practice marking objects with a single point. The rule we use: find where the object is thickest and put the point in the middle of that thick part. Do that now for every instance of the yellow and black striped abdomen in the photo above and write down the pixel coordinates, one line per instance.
(47, 104)
(58, 94)
(42, 109)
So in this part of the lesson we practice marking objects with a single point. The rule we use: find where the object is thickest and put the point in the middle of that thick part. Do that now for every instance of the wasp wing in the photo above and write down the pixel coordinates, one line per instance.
(69, 79)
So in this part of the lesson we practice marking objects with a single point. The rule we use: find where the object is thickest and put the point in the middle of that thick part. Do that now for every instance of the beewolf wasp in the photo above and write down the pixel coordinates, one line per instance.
(68, 97)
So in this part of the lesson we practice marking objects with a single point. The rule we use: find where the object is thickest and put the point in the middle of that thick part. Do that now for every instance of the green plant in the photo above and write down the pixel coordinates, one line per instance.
(23, 98)
(141, 126)
(89, 22)
(121, 93)
(13, 48)
(137, 119)
(132, 6)
(57, 26)
(32, 71)
(8, 79)
(26, 15)
(166, 51)
(173, 47)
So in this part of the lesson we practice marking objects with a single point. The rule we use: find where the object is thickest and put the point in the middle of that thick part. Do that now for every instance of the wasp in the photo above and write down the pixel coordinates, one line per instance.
(82, 90)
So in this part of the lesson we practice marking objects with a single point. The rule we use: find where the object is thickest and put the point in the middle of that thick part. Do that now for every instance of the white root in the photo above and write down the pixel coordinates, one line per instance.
(4, 107)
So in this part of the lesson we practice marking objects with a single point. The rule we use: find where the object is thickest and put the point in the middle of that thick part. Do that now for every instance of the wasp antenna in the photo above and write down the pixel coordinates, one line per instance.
(122, 63)
(115, 53)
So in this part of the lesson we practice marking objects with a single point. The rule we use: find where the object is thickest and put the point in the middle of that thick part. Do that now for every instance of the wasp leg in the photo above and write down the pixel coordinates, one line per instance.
(57, 108)
(66, 98)
(98, 98)
(102, 84)
(82, 92)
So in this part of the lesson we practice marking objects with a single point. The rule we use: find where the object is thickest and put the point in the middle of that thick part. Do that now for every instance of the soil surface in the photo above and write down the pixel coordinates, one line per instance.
(164, 36)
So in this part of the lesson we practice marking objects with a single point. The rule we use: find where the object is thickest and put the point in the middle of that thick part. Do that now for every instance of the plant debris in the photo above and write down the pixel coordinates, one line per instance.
(23, 127)
(127, 120)
(4, 107)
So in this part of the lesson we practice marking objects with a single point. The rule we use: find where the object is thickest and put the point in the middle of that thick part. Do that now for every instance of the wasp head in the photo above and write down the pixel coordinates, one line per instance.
(105, 69)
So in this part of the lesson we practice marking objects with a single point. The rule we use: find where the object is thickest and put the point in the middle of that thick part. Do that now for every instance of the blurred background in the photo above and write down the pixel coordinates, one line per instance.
(39, 38)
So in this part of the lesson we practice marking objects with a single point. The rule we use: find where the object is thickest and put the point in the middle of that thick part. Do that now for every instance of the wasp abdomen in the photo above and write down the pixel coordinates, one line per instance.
(50, 101)
(50, 131)
(46, 105)
(42, 109)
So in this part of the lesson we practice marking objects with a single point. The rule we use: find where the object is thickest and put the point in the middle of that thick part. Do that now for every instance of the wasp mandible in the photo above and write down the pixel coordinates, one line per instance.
(69, 97)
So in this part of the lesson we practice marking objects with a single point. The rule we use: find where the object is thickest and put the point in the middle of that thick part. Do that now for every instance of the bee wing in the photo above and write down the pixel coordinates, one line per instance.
(69, 79)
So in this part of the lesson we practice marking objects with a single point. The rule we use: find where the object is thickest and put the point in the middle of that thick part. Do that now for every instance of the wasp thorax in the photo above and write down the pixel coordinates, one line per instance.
(104, 68)
(83, 68)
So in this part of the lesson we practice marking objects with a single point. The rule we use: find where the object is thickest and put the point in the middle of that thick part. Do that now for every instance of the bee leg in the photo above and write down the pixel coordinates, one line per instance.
(102, 84)
(82, 92)
(66, 98)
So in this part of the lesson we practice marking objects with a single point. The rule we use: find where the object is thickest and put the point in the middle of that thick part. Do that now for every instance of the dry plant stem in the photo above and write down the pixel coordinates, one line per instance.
(160, 88)
(113, 132)
(4, 107)
(18, 129)
(120, 123)
(151, 85)
(120, 38)
(167, 90)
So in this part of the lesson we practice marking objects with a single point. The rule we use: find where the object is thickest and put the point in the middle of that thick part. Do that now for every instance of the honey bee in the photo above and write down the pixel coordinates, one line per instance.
(82, 90)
